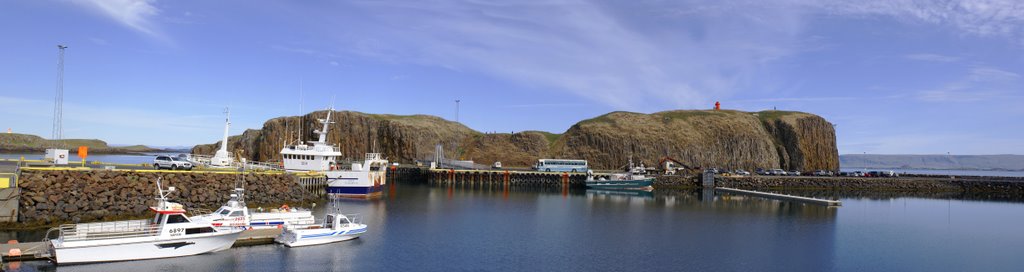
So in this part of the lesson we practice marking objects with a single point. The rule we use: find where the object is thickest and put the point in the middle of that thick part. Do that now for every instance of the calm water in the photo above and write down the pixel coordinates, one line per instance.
(422, 228)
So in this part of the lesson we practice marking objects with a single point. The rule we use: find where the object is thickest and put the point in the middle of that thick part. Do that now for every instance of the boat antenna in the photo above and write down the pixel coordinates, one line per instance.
(301, 113)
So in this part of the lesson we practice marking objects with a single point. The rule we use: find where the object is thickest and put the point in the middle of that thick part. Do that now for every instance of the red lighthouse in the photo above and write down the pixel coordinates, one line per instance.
(718, 106)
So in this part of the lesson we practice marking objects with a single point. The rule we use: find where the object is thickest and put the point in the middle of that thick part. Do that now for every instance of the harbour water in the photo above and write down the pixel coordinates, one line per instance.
(424, 228)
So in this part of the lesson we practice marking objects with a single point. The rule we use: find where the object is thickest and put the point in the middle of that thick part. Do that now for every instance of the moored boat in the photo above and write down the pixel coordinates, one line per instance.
(363, 180)
(634, 179)
(235, 214)
(169, 234)
(336, 227)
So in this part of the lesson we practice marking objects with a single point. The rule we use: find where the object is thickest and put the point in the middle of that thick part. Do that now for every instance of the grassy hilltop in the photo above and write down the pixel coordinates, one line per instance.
(705, 138)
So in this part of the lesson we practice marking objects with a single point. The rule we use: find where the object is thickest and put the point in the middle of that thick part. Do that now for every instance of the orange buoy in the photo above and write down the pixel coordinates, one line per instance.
(14, 252)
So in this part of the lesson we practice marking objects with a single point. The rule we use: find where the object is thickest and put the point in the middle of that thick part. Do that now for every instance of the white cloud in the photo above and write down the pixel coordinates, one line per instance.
(932, 57)
(979, 17)
(135, 14)
(981, 83)
(579, 47)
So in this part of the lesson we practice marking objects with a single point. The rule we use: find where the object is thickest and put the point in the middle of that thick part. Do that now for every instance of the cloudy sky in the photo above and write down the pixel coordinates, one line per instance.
(895, 76)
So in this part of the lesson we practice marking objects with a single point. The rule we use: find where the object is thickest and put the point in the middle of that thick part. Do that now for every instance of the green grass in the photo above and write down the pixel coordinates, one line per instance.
(775, 114)
(551, 137)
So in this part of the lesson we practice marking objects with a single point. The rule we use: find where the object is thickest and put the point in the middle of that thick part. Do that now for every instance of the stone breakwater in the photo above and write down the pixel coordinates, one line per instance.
(49, 197)
(1007, 187)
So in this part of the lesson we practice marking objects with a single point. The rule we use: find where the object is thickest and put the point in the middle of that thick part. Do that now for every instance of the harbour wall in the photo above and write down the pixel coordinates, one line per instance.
(1009, 187)
(55, 196)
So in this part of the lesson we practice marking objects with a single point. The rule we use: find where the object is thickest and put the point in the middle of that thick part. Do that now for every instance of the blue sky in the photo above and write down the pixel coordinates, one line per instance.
(894, 76)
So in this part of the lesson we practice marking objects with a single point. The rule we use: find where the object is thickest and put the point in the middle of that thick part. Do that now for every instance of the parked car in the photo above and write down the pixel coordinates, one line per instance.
(741, 172)
(822, 173)
(173, 163)
(762, 171)
(497, 165)
(777, 172)
(859, 174)
(715, 170)
(793, 173)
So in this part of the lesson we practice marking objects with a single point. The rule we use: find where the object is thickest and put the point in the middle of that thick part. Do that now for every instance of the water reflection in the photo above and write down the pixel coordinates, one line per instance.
(496, 227)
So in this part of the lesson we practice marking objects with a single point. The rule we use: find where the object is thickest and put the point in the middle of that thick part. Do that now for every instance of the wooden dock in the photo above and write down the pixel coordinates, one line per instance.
(825, 202)
(509, 177)
(30, 251)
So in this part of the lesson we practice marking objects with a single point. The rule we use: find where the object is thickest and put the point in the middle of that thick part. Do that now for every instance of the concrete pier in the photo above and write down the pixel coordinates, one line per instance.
(830, 203)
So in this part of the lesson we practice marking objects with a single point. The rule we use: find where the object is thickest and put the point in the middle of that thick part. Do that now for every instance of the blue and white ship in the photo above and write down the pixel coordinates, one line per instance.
(363, 180)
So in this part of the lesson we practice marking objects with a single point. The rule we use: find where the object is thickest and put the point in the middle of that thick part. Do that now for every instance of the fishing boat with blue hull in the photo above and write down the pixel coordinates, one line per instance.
(635, 179)
(364, 179)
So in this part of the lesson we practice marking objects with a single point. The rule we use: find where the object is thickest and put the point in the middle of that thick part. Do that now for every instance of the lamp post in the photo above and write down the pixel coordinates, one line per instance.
(457, 110)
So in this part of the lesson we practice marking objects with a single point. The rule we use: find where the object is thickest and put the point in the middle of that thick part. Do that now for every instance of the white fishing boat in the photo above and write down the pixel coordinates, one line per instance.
(235, 214)
(312, 156)
(362, 180)
(336, 227)
(169, 234)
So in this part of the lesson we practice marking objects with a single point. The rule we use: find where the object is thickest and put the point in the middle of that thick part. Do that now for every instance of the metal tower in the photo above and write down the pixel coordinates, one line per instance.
(58, 102)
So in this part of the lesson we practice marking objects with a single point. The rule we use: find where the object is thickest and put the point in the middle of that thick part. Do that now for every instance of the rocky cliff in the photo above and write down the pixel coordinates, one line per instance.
(16, 142)
(729, 139)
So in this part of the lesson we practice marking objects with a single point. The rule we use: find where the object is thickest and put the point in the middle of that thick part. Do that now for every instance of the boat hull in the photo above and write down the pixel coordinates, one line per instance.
(309, 237)
(356, 184)
(637, 184)
(141, 248)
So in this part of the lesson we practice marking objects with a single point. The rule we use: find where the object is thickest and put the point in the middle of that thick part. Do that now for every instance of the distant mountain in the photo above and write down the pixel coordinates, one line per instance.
(16, 142)
(960, 162)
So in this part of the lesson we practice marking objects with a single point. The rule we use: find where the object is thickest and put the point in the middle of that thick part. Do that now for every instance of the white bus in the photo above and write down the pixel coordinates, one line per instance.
(557, 165)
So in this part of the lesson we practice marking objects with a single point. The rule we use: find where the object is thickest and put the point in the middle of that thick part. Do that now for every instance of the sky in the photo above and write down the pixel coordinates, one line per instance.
(894, 76)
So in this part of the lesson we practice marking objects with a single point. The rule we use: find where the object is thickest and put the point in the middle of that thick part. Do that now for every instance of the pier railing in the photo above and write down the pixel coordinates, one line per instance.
(106, 230)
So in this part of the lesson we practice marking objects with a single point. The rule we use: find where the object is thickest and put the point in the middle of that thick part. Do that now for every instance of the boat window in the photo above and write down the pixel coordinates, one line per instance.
(176, 218)
(223, 212)
(329, 222)
(236, 213)
(199, 230)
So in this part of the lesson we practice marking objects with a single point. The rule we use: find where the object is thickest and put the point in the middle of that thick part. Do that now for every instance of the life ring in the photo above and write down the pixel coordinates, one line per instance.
(61, 156)
(284, 207)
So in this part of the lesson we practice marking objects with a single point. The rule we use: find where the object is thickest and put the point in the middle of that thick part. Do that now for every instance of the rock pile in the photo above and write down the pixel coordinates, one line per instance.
(82, 196)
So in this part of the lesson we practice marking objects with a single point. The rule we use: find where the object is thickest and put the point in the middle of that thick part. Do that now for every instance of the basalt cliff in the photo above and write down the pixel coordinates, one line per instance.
(695, 138)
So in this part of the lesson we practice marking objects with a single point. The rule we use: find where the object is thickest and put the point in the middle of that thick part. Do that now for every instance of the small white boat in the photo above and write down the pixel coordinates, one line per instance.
(235, 214)
(169, 234)
(336, 227)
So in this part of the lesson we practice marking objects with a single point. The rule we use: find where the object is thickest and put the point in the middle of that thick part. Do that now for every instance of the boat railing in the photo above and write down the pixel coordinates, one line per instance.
(354, 218)
(108, 230)
(199, 212)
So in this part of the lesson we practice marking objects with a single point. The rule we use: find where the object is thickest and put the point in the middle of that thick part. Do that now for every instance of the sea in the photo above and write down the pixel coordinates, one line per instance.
(420, 227)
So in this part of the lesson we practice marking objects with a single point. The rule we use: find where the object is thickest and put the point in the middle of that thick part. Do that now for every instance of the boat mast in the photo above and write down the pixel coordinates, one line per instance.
(326, 122)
